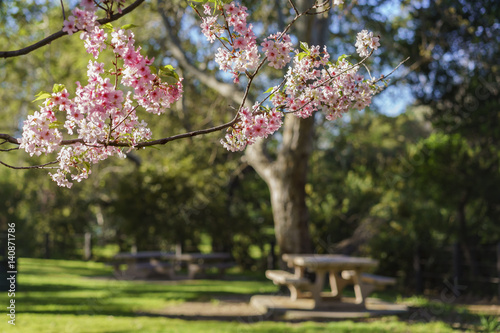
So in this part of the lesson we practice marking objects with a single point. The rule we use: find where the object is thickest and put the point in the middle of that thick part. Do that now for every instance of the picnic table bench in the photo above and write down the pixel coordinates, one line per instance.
(371, 282)
(296, 284)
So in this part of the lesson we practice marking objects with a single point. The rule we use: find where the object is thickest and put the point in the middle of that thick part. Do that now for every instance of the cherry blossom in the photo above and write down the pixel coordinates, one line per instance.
(239, 53)
(277, 50)
(365, 41)
(101, 112)
(312, 82)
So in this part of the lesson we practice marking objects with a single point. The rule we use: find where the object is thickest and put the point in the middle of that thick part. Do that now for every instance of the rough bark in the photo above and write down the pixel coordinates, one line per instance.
(286, 176)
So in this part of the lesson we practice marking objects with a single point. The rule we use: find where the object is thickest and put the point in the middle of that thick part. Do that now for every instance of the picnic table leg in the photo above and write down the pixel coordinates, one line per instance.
(337, 284)
(300, 271)
(359, 289)
(193, 269)
(117, 272)
(318, 287)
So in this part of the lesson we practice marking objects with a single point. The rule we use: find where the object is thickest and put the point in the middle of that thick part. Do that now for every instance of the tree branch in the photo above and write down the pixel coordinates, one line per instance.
(143, 144)
(9, 139)
(59, 34)
(41, 166)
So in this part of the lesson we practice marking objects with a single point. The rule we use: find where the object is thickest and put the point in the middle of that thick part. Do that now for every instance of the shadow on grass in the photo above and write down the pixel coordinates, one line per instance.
(123, 298)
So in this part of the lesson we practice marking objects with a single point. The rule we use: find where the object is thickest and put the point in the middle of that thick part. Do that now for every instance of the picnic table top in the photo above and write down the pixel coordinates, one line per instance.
(329, 261)
(174, 256)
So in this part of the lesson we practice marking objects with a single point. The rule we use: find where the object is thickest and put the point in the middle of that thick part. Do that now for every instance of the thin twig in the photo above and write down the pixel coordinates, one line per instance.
(125, 118)
(368, 70)
(318, 6)
(64, 14)
(272, 92)
(345, 70)
(293, 6)
(384, 76)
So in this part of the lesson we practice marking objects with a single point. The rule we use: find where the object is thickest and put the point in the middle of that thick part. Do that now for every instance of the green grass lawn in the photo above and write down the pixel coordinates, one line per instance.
(75, 296)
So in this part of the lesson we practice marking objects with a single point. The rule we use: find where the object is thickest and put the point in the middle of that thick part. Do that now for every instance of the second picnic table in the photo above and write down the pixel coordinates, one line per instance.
(141, 264)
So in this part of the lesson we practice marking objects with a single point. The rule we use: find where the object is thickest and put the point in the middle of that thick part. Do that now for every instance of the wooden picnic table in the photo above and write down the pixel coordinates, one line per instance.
(141, 264)
(197, 263)
(337, 266)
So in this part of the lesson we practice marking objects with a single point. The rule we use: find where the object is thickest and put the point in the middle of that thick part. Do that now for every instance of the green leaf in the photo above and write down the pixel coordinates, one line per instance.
(42, 95)
(342, 58)
(224, 39)
(269, 90)
(168, 73)
(56, 124)
(301, 55)
(304, 46)
(128, 26)
(58, 88)
(108, 26)
(171, 79)
(167, 68)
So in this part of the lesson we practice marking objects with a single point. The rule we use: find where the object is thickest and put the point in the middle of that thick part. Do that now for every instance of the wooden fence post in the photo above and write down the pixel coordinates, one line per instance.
(47, 246)
(457, 264)
(178, 249)
(498, 270)
(417, 267)
(87, 246)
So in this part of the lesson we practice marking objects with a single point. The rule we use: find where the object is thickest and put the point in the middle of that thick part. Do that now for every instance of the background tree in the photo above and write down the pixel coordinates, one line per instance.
(456, 74)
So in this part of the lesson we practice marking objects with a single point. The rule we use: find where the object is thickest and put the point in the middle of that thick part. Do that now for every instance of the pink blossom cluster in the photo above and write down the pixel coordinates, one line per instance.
(277, 50)
(252, 125)
(240, 52)
(39, 136)
(100, 114)
(82, 18)
(313, 83)
(366, 41)
(150, 91)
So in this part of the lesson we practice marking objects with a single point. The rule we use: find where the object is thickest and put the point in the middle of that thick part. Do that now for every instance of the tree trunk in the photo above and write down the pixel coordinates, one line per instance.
(286, 178)
(287, 175)
(465, 240)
